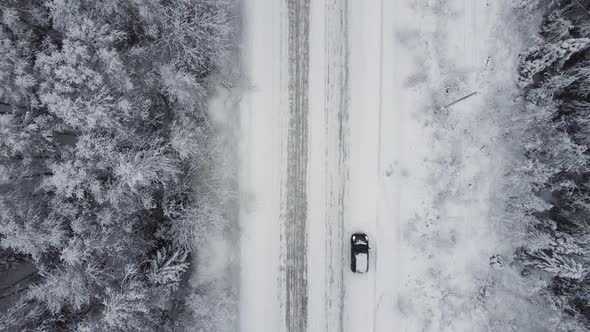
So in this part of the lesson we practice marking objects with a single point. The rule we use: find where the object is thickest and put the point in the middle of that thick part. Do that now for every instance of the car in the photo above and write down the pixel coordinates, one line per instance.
(359, 253)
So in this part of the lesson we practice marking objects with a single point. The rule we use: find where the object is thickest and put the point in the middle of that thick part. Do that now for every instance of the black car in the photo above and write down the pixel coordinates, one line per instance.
(359, 253)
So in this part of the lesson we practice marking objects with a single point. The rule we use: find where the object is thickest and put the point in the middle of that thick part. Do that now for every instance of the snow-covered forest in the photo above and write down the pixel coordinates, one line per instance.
(503, 243)
(554, 248)
(106, 161)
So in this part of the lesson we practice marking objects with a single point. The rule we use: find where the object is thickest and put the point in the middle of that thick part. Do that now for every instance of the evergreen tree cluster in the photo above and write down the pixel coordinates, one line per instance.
(555, 75)
(103, 139)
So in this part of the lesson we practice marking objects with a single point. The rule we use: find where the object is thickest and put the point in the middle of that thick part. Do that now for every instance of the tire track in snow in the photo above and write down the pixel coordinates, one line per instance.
(336, 114)
(295, 236)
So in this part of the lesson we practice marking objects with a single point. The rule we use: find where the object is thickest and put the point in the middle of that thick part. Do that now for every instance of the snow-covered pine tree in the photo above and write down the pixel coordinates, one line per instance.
(167, 266)
(554, 75)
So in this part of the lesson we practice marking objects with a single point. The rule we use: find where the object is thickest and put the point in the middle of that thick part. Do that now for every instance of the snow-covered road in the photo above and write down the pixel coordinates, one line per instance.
(310, 163)
(329, 134)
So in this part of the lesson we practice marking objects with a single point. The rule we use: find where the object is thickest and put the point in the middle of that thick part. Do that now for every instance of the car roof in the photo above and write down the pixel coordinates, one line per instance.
(362, 260)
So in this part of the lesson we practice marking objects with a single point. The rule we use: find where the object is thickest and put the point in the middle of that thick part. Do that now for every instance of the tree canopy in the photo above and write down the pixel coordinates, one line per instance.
(102, 119)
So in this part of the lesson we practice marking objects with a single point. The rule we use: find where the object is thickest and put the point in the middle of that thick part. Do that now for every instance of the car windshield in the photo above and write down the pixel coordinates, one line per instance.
(360, 247)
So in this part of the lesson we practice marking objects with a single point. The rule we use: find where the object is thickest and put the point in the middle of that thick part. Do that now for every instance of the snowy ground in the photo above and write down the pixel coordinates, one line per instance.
(343, 130)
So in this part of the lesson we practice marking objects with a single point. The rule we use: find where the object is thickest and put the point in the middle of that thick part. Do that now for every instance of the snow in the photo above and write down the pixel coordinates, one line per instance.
(323, 160)
(260, 166)
(362, 262)
(214, 256)
(365, 92)
(422, 185)
(446, 168)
